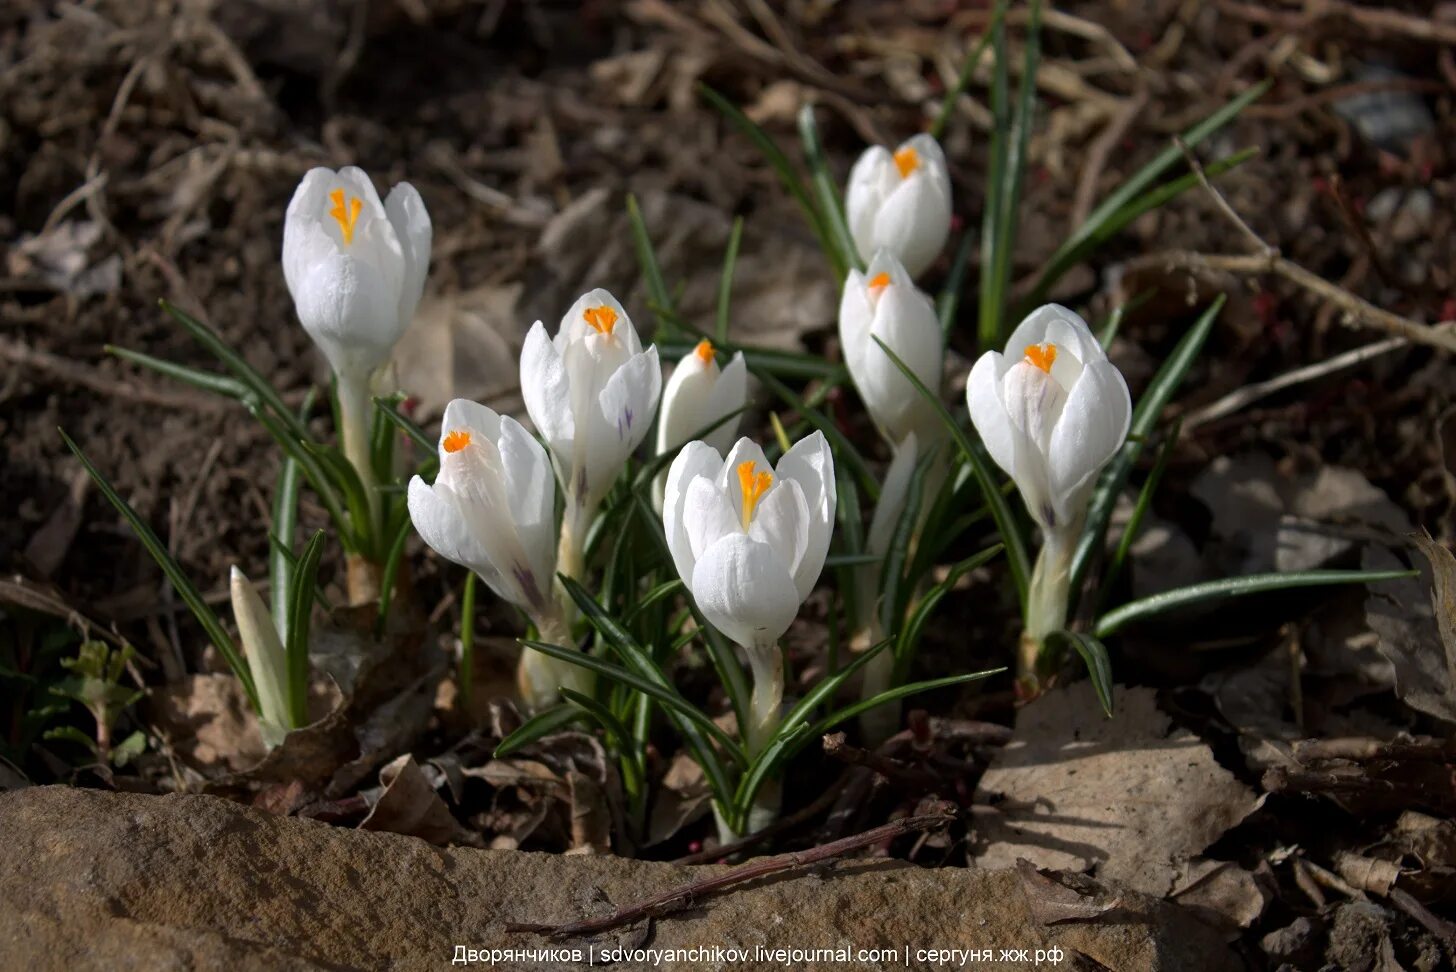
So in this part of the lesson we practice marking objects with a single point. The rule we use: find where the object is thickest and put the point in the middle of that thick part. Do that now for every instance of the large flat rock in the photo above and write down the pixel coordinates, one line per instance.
(116, 881)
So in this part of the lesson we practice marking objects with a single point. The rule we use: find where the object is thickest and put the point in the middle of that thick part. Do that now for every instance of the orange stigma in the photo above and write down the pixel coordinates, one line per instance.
(345, 212)
(602, 319)
(1042, 356)
(456, 440)
(907, 160)
(753, 487)
(704, 351)
(879, 282)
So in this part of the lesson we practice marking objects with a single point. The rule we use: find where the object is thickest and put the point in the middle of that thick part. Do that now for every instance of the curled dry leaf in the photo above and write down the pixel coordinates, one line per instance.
(409, 805)
(1227, 895)
(1056, 897)
(1404, 615)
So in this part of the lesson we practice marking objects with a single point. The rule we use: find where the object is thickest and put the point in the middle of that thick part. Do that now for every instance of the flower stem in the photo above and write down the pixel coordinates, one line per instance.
(540, 677)
(355, 409)
(1046, 601)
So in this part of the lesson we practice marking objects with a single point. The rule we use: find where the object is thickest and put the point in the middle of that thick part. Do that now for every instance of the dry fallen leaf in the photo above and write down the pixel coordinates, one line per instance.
(409, 805)
(1402, 613)
(1131, 797)
(1054, 897)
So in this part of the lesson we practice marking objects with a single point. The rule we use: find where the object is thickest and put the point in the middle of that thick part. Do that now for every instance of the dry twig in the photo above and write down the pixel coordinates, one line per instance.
(675, 899)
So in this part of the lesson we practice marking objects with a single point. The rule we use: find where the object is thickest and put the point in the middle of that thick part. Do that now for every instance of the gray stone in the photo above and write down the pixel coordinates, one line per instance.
(119, 881)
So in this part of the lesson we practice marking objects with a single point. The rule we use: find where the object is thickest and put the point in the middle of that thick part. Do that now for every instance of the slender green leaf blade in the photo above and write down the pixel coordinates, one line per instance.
(1095, 657)
(300, 612)
(539, 726)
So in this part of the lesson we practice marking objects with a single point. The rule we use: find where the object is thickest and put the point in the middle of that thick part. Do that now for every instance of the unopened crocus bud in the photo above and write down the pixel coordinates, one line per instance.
(491, 509)
(900, 201)
(699, 394)
(267, 660)
(1052, 411)
(884, 303)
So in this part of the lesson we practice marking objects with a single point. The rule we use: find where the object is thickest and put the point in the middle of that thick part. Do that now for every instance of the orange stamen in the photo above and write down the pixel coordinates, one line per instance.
(753, 487)
(704, 351)
(879, 281)
(456, 440)
(602, 319)
(907, 160)
(1042, 356)
(345, 212)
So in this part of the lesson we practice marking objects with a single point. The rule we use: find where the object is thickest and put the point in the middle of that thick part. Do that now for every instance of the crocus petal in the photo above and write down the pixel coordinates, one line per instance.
(574, 324)
(1055, 324)
(697, 459)
(411, 222)
(1092, 427)
(437, 519)
(810, 464)
(745, 591)
(782, 520)
(988, 412)
(547, 391)
(531, 490)
(707, 516)
(866, 189)
(893, 493)
(730, 394)
(914, 223)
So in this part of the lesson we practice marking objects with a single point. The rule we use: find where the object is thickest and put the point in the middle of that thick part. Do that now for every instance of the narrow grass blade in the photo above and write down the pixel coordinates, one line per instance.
(895, 587)
(1231, 587)
(260, 386)
(844, 450)
(899, 692)
(826, 190)
(1144, 417)
(824, 690)
(300, 613)
(390, 575)
(539, 726)
(1098, 221)
(988, 320)
(949, 302)
(725, 283)
(173, 571)
(1140, 510)
(390, 410)
(1094, 656)
(647, 259)
(968, 69)
(205, 380)
(1007, 189)
(781, 165)
(907, 643)
(1001, 512)
(467, 639)
(764, 766)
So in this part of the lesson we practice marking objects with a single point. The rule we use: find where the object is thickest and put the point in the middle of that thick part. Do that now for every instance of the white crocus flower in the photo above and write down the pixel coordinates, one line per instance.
(266, 658)
(356, 268)
(900, 202)
(697, 395)
(1052, 411)
(884, 303)
(749, 541)
(592, 391)
(492, 509)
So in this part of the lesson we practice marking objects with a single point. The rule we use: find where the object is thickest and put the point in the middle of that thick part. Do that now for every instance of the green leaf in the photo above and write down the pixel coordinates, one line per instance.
(1094, 656)
(205, 380)
(825, 689)
(1140, 510)
(844, 450)
(988, 326)
(674, 703)
(1144, 417)
(763, 767)
(406, 425)
(1231, 587)
(968, 69)
(725, 282)
(313, 471)
(908, 642)
(781, 165)
(173, 570)
(895, 588)
(300, 612)
(280, 560)
(1006, 189)
(659, 593)
(1006, 524)
(267, 395)
(467, 639)
(657, 290)
(890, 695)
(826, 190)
(540, 725)
(949, 303)
(390, 575)
(1099, 221)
